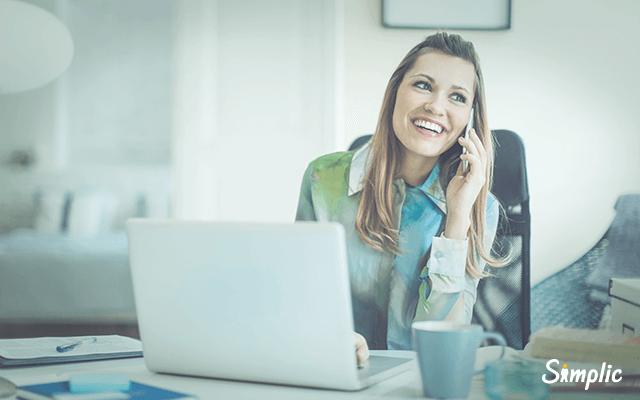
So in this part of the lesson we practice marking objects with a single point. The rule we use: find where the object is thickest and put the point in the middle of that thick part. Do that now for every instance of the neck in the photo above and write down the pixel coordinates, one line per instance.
(415, 170)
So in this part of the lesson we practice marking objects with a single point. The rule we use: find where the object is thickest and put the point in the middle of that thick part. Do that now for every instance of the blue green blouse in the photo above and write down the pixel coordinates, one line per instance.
(389, 292)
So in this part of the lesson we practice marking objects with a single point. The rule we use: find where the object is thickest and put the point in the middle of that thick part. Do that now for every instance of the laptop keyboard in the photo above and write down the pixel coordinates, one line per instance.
(376, 364)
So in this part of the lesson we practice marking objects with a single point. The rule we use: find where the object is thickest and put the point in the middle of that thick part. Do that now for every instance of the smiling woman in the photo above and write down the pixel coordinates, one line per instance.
(432, 107)
(419, 226)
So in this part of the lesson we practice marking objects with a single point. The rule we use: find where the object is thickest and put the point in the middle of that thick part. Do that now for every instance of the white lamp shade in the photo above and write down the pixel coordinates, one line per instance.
(35, 47)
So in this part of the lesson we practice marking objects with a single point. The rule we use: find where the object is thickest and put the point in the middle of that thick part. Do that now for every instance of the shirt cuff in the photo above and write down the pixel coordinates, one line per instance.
(448, 257)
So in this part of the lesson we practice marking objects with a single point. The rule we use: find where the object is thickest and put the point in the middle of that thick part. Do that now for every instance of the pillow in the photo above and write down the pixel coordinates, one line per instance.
(50, 210)
(91, 213)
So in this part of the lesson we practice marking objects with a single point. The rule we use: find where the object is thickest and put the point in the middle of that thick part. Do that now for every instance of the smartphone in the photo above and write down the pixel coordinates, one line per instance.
(465, 163)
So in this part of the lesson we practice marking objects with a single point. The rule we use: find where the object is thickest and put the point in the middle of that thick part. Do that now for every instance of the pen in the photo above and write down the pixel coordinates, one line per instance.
(71, 346)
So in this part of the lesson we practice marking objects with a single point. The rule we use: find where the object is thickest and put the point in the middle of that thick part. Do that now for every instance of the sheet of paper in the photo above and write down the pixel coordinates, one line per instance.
(46, 346)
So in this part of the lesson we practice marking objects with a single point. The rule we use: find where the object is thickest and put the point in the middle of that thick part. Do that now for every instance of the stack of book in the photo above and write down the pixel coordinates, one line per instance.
(590, 360)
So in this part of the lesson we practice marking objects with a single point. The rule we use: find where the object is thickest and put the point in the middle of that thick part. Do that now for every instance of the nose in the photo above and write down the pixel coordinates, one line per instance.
(435, 105)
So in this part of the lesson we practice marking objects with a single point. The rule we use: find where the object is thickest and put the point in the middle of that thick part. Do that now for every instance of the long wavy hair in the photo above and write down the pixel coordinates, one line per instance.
(374, 221)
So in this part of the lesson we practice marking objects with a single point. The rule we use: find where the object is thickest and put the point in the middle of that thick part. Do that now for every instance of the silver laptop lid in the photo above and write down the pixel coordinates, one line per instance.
(255, 302)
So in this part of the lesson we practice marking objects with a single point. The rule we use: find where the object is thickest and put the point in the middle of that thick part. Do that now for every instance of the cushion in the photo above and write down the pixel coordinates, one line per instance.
(91, 213)
(50, 210)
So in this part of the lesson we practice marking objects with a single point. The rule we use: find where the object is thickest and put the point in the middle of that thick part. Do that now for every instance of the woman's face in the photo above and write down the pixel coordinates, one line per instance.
(433, 104)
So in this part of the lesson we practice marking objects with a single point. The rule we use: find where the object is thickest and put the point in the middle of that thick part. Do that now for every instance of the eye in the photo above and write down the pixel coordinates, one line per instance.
(424, 85)
(459, 98)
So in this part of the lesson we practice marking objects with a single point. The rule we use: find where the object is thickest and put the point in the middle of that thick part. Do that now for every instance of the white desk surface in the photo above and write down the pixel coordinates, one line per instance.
(406, 385)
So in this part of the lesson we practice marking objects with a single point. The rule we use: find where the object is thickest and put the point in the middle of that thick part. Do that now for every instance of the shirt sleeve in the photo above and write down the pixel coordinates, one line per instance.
(447, 292)
(305, 203)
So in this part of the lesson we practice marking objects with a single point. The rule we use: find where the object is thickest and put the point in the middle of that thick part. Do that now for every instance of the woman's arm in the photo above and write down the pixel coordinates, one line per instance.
(305, 203)
(306, 212)
(447, 292)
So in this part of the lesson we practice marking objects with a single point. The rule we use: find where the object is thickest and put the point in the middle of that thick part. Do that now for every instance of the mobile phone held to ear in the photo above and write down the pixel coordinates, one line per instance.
(465, 163)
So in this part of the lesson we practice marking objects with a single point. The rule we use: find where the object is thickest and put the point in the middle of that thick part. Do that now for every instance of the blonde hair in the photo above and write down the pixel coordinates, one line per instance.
(374, 221)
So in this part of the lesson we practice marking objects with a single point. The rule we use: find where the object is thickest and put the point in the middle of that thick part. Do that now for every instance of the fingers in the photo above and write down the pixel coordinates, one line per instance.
(362, 350)
(476, 165)
(473, 145)
(476, 153)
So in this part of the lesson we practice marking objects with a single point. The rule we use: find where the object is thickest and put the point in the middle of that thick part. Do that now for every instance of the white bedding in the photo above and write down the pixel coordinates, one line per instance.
(51, 277)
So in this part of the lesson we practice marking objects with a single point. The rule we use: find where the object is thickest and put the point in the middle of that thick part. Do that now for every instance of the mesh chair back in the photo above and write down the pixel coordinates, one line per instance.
(503, 300)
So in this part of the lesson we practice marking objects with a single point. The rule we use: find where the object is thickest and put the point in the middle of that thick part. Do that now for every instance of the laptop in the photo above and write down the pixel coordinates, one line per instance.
(254, 302)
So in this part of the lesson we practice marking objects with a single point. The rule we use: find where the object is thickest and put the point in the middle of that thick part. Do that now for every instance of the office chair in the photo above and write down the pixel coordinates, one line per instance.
(359, 142)
(503, 299)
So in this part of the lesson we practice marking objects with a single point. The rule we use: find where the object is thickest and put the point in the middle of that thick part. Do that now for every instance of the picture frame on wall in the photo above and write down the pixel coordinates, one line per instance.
(447, 14)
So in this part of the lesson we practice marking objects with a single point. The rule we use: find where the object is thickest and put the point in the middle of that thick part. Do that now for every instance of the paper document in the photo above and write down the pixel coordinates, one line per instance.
(72, 348)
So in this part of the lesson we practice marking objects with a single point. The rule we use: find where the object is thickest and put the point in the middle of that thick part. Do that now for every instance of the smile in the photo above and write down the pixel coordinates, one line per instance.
(428, 127)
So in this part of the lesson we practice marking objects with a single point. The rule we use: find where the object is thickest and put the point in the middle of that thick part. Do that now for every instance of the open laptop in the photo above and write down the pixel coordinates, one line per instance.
(245, 301)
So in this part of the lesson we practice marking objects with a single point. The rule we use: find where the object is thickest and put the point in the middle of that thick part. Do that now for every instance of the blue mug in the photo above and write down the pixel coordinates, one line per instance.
(447, 354)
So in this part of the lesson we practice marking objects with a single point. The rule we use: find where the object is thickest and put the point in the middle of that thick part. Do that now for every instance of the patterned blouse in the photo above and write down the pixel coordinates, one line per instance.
(389, 291)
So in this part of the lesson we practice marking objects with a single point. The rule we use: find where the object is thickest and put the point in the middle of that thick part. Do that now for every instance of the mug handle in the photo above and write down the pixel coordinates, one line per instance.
(499, 339)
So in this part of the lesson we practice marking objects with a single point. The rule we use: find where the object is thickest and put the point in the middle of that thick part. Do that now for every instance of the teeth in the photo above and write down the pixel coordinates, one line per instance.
(428, 125)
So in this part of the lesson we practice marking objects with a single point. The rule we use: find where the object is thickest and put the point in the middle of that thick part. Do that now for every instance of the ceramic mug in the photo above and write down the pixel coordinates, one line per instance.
(447, 354)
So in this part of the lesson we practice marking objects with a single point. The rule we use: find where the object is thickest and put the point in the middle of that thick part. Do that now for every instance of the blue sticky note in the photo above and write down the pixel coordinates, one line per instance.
(99, 383)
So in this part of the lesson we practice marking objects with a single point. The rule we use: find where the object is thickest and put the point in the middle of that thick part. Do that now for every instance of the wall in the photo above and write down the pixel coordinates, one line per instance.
(104, 124)
(119, 83)
(113, 104)
(27, 118)
(564, 77)
(256, 90)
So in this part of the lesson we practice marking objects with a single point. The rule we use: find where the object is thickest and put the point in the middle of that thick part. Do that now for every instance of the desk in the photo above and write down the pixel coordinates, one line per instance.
(406, 385)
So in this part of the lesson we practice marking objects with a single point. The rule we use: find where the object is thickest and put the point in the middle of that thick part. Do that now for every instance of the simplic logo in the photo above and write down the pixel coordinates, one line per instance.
(581, 375)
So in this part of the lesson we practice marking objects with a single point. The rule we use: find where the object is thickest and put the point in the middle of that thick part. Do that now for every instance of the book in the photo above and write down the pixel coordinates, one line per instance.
(60, 390)
(48, 350)
(587, 346)
(628, 384)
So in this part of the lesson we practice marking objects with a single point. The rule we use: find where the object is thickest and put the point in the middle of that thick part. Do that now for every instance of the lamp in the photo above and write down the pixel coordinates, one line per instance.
(35, 47)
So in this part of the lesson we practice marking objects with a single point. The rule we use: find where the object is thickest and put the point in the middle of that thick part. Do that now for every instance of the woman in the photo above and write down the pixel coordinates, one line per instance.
(419, 225)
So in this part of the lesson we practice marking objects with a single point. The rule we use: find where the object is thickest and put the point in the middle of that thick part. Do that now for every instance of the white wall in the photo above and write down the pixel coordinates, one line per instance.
(113, 104)
(105, 122)
(27, 118)
(119, 83)
(565, 78)
(256, 98)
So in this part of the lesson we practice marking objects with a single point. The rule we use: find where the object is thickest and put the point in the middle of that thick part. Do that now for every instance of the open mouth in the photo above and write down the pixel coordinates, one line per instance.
(428, 127)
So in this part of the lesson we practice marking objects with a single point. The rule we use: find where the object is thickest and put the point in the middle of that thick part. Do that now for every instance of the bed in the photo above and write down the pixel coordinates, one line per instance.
(63, 248)
(53, 277)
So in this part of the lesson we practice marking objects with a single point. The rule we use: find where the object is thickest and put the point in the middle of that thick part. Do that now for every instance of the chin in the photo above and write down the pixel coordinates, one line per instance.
(429, 149)
(428, 152)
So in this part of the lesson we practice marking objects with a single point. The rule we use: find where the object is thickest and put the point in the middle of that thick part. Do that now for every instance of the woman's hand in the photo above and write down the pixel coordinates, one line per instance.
(464, 188)
(362, 350)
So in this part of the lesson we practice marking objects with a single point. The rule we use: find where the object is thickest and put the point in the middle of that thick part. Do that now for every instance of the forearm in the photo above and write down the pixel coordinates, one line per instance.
(457, 226)
(441, 305)
(446, 292)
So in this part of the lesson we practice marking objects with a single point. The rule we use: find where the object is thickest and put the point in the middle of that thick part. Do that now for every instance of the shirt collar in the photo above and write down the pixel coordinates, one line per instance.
(360, 163)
